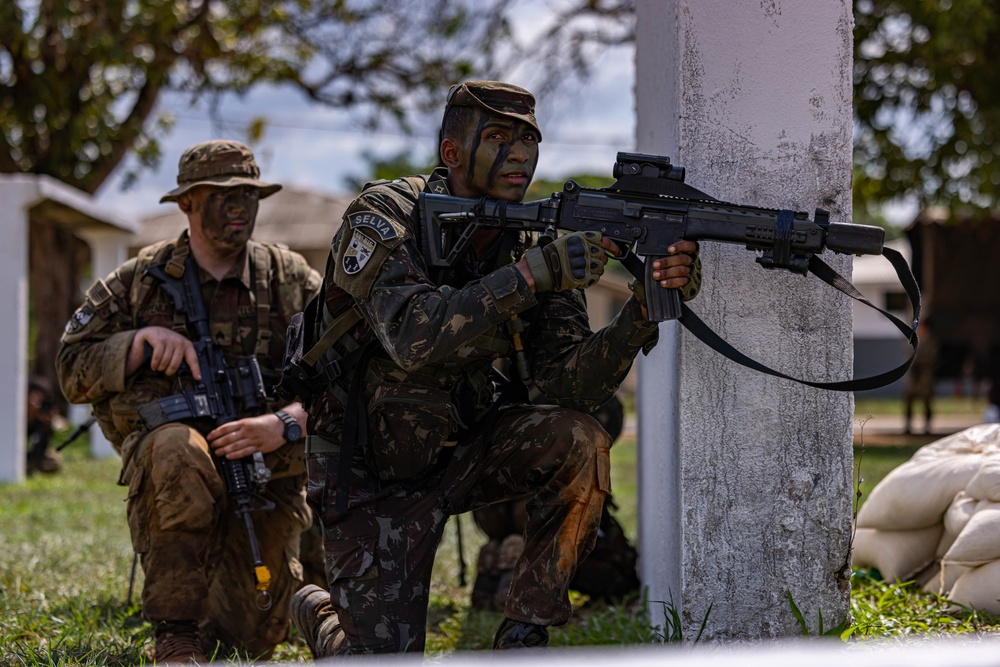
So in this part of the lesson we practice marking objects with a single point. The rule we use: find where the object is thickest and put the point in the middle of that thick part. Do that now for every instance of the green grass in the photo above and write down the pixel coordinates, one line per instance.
(65, 560)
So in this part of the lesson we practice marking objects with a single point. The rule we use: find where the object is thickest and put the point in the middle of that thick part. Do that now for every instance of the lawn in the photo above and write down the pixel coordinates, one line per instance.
(65, 561)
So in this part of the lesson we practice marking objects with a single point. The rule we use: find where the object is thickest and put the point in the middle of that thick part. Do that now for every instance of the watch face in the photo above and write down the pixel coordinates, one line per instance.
(293, 432)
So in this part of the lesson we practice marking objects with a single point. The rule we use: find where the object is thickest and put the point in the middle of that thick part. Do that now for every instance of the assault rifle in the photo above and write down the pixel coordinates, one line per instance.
(217, 398)
(646, 210)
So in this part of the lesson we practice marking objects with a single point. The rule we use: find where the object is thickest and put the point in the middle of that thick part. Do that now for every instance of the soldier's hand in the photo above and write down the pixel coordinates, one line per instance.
(680, 269)
(169, 350)
(243, 437)
(571, 261)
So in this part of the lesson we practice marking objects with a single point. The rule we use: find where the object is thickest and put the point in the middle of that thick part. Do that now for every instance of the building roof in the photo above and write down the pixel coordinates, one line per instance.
(876, 270)
(300, 219)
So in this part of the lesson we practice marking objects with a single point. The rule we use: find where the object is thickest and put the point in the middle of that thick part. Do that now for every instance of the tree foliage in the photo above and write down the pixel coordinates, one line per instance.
(927, 101)
(80, 79)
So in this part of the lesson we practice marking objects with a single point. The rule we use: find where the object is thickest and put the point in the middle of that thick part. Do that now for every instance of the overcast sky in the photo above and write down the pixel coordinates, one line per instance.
(314, 147)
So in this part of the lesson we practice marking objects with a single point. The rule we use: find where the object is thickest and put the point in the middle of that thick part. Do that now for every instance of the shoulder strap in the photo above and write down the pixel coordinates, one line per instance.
(262, 294)
(142, 282)
(825, 273)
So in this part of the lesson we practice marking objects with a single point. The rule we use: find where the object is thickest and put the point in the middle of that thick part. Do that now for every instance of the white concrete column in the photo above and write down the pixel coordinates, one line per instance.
(17, 194)
(745, 480)
(108, 251)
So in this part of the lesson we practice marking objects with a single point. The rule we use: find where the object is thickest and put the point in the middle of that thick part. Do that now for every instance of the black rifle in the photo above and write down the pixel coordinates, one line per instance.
(80, 430)
(217, 397)
(648, 209)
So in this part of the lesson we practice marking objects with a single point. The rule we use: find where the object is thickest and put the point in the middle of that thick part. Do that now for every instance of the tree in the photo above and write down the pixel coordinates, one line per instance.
(80, 81)
(927, 101)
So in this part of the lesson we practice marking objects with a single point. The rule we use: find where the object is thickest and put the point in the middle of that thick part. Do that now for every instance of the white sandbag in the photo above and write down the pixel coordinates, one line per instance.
(985, 484)
(897, 554)
(955, 519)
(979, 541)
(916, 494)
(982, 439)
(944, 580)
(979, 588)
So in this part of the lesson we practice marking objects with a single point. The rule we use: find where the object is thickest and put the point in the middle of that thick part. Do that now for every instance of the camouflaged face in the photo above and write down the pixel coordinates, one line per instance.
(221, 163)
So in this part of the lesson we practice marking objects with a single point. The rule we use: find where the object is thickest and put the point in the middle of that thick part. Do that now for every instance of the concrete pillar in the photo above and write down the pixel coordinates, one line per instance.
(745, 480)
(17, 194)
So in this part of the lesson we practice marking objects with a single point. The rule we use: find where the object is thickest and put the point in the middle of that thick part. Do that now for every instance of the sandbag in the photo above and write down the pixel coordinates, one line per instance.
(944, 579)
(896, 554)
(979, 588)
(916, 494)
(985, 484)
(955, 519)
(979, 541)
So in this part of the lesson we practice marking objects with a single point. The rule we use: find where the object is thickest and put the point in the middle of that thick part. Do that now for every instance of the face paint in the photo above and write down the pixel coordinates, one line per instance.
(501, 154)
(228, 216)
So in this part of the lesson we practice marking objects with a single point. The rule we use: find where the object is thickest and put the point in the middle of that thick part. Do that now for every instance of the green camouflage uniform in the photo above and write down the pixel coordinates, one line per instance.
(436, 444)
(193, 547)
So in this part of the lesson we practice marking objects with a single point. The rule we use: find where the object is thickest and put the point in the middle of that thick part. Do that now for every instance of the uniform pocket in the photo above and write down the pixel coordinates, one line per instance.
(408, 426)
(137, 513)
(351, 559)
(604, 469)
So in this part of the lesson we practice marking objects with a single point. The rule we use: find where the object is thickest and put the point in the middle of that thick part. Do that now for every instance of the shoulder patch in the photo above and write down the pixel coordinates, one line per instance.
(80, 319)
(358, 252)
(385, 229)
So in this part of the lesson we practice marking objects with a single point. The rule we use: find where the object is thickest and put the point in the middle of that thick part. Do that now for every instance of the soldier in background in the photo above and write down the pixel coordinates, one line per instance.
(920, 377)
(122, 350)
(409, 424)
(41, 411)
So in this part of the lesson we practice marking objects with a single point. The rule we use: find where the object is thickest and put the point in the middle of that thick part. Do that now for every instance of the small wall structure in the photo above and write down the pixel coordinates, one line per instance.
(26, 198)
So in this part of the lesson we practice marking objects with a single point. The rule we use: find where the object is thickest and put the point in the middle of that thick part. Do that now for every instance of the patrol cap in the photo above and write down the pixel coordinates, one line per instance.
(221, 163)
(501, 98)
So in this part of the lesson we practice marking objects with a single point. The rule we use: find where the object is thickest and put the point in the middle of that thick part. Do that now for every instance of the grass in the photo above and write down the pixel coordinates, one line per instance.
(65, 559)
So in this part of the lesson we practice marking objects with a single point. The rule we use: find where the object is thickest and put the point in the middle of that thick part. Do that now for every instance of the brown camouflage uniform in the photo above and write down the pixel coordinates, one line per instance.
(436, 444)
(193, 547)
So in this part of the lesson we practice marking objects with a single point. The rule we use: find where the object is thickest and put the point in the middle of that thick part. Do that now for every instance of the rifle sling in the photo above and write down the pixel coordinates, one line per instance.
(702, 332)
(355, 426)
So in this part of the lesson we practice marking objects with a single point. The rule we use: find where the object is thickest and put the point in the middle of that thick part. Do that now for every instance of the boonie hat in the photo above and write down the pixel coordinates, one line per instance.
(501, 98)
(221, 163)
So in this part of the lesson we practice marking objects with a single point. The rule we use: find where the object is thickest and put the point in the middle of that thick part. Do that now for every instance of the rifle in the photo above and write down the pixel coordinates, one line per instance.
(222, 390)
(80, 430)
(646, 210)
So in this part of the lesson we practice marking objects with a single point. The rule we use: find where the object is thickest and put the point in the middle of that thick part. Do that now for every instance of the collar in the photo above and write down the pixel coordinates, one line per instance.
(239, 271)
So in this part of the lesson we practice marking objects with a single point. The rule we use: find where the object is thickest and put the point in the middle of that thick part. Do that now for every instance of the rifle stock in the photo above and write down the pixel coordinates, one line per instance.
(646, 210)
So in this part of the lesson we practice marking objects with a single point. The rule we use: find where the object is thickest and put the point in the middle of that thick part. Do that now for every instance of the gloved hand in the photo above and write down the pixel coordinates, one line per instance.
(571, 261)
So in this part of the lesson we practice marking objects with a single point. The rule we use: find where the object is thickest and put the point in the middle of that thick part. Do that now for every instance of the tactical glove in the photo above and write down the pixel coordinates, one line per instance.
(571, 261)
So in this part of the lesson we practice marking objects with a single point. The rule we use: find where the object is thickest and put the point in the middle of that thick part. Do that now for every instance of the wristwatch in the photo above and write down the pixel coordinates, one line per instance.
(293, 432)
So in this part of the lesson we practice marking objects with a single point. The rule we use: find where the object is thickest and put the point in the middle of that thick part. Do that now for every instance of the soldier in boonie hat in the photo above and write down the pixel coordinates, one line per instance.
(501, 98)
(220, 163)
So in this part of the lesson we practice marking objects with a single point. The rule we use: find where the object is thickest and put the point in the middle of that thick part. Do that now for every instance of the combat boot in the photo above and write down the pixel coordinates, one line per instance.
(177, 643)
(313, 616)
(518, 634)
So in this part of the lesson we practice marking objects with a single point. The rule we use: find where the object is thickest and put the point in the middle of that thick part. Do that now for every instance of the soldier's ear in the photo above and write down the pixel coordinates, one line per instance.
(451, 153)
(185, 204)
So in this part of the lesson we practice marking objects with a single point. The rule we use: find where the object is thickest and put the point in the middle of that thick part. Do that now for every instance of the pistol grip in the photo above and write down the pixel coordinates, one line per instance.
(661, 304)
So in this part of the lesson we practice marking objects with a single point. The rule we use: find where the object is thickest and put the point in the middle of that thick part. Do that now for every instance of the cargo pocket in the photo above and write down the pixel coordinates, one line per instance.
(604, 469)
(137, 510)
(409, 424)
(351, 559)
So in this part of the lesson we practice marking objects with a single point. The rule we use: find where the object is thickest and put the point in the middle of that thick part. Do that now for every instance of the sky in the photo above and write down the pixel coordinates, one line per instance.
(309, 146)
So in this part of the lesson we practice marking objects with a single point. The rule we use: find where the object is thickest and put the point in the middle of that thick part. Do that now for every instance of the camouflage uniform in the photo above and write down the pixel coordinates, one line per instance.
(438, 440)
(194, 549)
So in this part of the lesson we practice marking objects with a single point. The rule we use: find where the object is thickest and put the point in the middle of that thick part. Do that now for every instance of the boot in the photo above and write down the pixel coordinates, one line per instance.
(177, 643)
(313, 616)
(518, 634)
